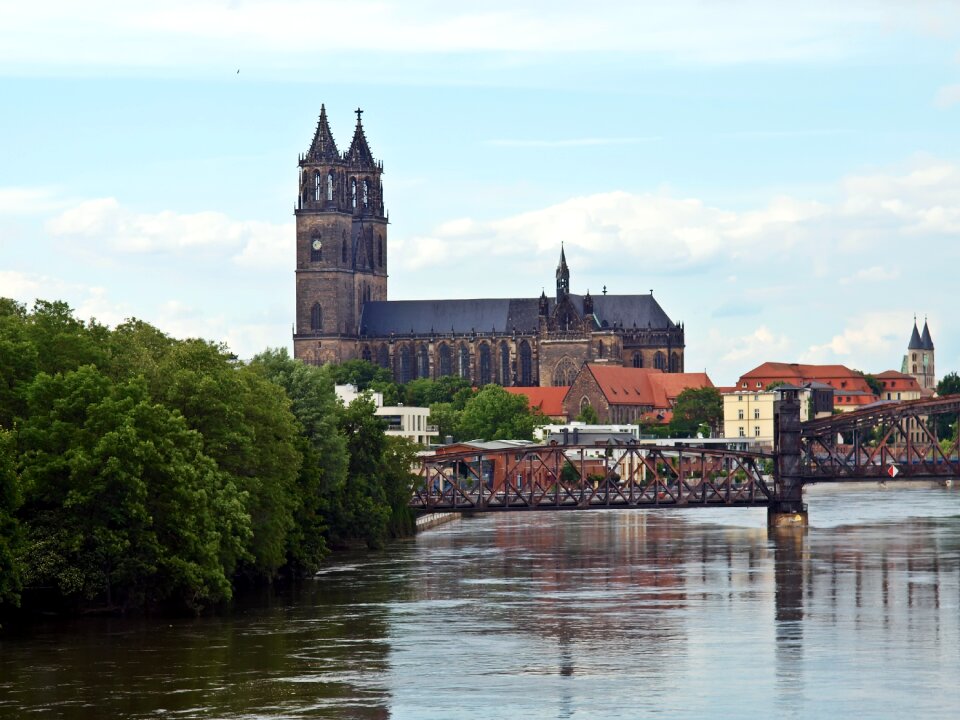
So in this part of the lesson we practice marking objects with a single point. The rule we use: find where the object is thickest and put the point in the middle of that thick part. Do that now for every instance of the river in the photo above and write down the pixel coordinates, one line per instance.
(599, 614)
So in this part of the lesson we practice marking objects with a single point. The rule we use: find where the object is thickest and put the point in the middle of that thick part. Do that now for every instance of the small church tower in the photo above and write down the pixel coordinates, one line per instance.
(341, 244)
(919, 360)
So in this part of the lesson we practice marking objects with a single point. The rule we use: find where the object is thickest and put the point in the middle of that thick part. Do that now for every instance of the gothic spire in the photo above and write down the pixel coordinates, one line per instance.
(323, 148)
(915, 342)
(359, 152)
(563, 277)
(925, 338)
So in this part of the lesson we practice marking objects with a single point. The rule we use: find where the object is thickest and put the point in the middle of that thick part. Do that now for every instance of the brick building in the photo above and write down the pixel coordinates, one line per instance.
(342, 311)
(625, 395)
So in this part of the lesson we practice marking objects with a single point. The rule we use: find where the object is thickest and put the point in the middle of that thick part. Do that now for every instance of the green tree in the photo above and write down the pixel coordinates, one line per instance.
(424, 392)
(19, 361)
(949, 384)
(588, 415)
(875, 386)
(323, 473)
(495, 414)
(361, 373)
(363, 511)
(121, 505)
(695, 407)
(10, 572)
(447, 418)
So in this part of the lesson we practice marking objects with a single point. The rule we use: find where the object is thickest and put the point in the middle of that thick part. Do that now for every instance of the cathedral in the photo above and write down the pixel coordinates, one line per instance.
(342, 310)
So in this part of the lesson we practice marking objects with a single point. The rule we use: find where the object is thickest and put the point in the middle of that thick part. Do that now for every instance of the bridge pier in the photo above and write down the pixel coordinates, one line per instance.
(787, 510)
(787, 515)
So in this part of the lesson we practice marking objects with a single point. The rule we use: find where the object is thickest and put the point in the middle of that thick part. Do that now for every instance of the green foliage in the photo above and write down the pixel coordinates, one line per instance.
(138, 470)
(361, 373)
(949, 384)
(696, 407)
(495, 414)
(10, 566)
(875, 386)
(588, 415)
(110, 479)
(426, 393)
(446, 417)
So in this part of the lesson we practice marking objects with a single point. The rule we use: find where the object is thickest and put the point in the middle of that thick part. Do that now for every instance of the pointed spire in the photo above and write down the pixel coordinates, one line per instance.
(359, 152)
(925, 338)
(915, 342)
(563, 277)
(323, 148)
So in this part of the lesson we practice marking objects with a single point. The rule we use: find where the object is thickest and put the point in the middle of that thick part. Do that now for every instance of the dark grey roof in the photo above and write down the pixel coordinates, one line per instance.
(925, 339)
(500, 315)
(422, 317)
(915, 342)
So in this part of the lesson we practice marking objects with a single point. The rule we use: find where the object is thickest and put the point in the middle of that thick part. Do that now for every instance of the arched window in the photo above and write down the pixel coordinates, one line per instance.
(526, 364)
(446, 366)
(423, 362)
(660, 361)
(353, 191)
(674, 362)
(366, 193)
(316, 318)
(366, 353)
(370, 248)
(464, 361)
(637, 360)
(383, 356)
(584, 403)
(485, 378)
(330, 185)
(405, 363)
(379, 250)
(316, 249)
(343, 251)
(316, 189)
(505, 378)
(564, 372)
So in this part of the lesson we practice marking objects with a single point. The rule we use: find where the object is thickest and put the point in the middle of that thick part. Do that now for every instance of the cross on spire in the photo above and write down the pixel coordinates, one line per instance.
(359, 112)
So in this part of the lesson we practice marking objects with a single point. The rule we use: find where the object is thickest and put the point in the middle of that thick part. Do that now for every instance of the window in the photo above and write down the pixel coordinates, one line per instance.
(316, 318)
(379, 250)
(353, 192)
(505, 378)
(898, 396)
(756, 431)
(485, 375)
(445, 360)
(742, 433)
(914, 358)
(888, 396)
(423, 362)
(756, 413)
(366, 193)
(330, 185)
(739, 414)
(759, 384)
(756, 398)
(526, 364)
(739, 398)
(637, 360)
(660, 361)
(744, 385)
(316, 193)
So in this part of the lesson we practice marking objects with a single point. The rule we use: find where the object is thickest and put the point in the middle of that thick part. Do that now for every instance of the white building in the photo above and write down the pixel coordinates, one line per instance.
(402, 421)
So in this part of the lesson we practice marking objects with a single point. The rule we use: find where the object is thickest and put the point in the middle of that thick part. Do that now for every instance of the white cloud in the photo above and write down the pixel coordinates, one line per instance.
(104, 220)
(29, 200)
(947, 96)
(866, 337)
(761, 343)
(872, 274)
(193, 34)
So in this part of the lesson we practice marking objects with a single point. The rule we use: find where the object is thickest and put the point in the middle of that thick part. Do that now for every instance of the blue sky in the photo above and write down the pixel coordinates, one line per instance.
(786, 179)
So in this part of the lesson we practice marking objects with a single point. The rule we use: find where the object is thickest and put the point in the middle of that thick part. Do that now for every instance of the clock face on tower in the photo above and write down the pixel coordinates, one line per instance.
(317, 244)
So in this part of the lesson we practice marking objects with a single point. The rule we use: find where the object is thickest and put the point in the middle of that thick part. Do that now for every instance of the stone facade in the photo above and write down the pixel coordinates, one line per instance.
(342, 312)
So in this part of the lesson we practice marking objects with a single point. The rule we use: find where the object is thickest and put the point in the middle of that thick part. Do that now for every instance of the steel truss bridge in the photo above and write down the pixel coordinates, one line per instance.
(889, 440)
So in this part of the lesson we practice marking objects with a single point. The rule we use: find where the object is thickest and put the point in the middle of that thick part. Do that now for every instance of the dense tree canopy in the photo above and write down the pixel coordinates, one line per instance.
(138, 470)
(695, 410)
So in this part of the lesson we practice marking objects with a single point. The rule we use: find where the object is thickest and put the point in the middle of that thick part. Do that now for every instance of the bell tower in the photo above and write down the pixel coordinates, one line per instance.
(341, 244)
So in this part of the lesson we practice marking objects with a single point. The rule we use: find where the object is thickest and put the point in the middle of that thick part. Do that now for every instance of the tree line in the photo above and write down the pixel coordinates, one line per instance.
(140, 471)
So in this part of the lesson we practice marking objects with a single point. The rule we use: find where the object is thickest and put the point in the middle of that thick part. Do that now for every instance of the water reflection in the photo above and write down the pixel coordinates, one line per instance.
(568, 615)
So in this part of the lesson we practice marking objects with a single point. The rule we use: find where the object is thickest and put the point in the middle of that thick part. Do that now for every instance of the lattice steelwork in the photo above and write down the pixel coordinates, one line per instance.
(891, 440)
(582, 477)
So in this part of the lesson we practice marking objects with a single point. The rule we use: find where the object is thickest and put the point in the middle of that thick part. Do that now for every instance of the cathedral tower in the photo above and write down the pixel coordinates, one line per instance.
(341, 244)
(919, 360)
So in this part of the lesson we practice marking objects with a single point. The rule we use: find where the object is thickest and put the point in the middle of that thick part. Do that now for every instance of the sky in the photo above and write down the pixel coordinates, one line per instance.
(785, 177)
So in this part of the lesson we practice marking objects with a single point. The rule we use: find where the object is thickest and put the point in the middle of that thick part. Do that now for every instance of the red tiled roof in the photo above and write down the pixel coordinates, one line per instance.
(840, 377)
(548, 400)
(644, 386)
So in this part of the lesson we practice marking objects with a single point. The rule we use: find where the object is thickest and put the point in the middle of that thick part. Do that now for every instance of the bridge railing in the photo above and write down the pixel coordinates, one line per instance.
(559, 477)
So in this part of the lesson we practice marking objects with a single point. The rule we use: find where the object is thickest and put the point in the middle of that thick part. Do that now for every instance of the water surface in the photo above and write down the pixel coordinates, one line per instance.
(598, 614)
